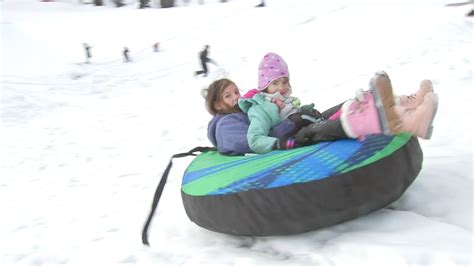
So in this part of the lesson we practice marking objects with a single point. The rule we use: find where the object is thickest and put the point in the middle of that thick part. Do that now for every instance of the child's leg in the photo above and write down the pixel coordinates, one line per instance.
(332, 111)
(204, 67)
(327, 130)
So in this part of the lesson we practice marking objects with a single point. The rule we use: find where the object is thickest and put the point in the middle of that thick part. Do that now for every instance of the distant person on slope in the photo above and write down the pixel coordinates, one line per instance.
(203, 57)
(156, 47)
(87, 50)
(126, 56)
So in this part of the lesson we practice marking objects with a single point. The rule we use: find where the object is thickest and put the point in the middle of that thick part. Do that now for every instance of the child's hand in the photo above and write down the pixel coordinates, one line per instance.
(279, 103)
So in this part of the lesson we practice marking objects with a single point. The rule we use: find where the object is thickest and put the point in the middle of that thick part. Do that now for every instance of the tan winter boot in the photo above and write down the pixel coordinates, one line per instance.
(416, 99)
(381, 89)
(419, 121)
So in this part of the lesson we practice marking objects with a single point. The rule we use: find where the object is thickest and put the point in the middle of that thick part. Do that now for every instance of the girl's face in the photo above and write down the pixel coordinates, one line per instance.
(229, 98)
(281, 85)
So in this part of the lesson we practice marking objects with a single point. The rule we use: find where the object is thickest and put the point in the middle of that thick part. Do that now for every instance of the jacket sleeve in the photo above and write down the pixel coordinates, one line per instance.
(231, 136)
(258, 132)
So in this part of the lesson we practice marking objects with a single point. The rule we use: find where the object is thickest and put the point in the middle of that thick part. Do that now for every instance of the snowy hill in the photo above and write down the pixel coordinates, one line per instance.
(83, 145)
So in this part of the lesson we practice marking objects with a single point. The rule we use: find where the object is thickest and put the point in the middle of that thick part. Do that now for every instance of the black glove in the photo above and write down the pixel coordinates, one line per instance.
(306, 117)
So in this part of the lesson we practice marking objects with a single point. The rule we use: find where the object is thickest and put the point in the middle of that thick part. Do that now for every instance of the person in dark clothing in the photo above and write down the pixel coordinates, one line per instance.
(203, 57)
(126, 57)
(144, 4)
(262, 4)
(87, 49)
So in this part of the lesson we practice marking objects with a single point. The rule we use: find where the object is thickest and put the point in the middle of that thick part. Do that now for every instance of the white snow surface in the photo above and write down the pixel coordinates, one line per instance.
(83, 145)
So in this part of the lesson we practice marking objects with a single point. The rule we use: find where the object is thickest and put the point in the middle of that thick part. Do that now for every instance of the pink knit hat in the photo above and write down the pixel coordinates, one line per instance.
(271, 67)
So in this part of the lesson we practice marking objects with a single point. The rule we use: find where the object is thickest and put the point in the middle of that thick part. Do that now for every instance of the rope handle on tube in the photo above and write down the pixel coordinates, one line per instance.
(161, 186)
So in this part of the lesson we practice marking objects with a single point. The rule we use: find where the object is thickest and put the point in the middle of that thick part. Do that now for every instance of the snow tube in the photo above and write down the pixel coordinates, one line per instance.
(299, 190)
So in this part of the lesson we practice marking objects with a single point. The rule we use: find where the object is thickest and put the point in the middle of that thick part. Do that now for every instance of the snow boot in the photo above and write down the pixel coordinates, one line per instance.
(419, 121)
(381, 90)
(360, 117)
(416, 99)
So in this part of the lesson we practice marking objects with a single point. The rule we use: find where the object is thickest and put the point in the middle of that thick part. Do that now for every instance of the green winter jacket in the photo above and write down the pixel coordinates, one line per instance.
(263, 115)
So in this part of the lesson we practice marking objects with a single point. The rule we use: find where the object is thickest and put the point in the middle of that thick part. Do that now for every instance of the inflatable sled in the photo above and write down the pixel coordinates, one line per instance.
(295, 191)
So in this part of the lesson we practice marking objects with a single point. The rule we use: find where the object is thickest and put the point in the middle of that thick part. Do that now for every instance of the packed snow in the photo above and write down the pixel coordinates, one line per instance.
(83, 145)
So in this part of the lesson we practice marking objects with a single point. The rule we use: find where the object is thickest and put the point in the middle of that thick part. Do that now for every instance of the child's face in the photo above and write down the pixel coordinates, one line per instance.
(229, 98)
(281, 85)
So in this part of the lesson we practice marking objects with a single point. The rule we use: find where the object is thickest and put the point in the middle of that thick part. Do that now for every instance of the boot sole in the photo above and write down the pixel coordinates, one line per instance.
(426, 86)
(429, 131)
(389, 119)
